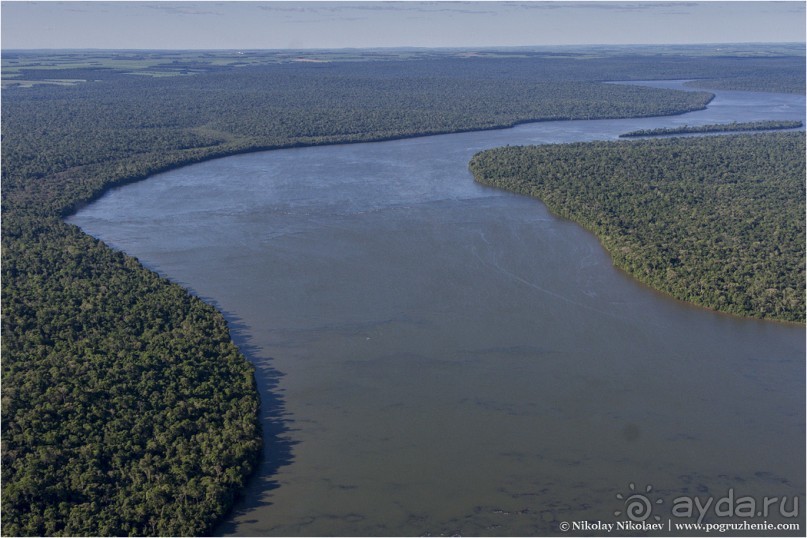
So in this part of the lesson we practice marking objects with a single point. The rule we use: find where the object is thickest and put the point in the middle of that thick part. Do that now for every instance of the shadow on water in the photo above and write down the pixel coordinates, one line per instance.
(275, 424)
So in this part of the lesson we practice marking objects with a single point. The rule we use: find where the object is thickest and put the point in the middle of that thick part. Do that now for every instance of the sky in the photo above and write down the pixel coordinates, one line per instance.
(299, 25)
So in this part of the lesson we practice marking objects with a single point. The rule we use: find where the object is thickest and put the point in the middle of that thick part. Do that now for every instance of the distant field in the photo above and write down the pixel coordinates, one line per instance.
(171, 63)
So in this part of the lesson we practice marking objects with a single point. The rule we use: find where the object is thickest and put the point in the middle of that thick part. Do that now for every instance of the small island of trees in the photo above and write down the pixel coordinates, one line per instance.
(772, 125)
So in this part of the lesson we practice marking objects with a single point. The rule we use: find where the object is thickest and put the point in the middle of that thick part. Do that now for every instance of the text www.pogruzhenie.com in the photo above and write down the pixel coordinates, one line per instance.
(670, 526)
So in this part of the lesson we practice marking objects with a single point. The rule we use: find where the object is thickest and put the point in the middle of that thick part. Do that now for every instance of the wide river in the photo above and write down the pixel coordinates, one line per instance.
(438, 357)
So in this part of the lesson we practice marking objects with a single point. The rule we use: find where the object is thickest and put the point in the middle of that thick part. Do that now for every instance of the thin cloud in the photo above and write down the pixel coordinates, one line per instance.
(383, 7)
(604, 6)
(179, 9)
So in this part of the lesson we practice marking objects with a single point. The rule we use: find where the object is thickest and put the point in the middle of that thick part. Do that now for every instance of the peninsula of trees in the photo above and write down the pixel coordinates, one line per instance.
(127, 410)
(717, 221)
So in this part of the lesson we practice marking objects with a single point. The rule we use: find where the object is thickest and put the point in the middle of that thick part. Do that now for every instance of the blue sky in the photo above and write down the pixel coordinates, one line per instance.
(278, 25)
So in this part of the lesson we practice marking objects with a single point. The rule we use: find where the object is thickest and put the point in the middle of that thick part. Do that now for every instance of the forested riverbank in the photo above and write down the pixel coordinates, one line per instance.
(717, 221)
(126, 407)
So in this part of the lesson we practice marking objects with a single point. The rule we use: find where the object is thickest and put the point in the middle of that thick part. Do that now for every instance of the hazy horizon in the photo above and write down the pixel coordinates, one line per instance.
(372, 25)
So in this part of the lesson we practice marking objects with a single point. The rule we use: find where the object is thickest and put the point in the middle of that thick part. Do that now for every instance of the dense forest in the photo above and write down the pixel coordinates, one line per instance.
(126, 409)
(718, 221)
(753, 82)
(716, 128)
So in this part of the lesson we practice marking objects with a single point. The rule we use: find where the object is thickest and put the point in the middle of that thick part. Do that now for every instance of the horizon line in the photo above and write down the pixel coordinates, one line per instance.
(416, 47)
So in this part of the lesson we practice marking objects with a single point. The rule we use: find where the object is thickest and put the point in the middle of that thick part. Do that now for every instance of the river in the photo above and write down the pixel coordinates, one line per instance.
(438, 357)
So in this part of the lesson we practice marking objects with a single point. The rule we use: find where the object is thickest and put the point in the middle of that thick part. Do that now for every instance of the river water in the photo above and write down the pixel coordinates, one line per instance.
(438, 357)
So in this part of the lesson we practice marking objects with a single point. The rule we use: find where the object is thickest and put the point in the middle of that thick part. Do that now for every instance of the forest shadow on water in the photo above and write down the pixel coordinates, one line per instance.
(274, 421)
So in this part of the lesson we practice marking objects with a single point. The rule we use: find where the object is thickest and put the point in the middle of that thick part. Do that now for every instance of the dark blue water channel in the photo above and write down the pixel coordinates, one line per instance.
(437, 357)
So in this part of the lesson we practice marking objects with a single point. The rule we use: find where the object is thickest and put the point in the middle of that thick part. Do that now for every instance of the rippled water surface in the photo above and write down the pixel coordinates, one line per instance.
(437, 357)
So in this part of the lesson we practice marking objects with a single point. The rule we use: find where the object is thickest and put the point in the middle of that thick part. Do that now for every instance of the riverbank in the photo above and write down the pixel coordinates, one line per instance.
(52, 271)
(731, 241)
